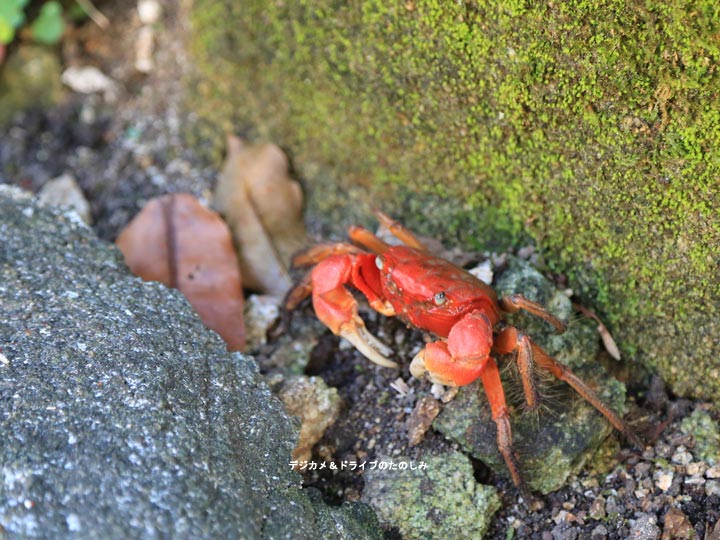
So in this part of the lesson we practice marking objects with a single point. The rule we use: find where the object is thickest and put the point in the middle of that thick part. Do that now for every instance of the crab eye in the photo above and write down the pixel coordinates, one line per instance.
(379, 262)
(440, 298)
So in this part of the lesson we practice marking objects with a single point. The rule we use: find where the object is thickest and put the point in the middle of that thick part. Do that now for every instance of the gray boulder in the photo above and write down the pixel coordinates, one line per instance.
(122, 416)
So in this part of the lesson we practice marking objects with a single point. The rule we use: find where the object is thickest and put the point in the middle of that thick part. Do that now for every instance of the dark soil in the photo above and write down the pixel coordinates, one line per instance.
(126, 151)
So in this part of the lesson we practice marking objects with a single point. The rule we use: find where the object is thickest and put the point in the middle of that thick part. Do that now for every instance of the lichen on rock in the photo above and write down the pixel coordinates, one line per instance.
(438, 499)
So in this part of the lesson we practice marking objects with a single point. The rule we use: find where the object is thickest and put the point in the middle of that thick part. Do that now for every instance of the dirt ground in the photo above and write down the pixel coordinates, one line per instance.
(126, 149)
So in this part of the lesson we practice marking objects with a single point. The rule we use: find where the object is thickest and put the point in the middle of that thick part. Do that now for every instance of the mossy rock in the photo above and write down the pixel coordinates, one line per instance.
(436, 497)
(589, 127)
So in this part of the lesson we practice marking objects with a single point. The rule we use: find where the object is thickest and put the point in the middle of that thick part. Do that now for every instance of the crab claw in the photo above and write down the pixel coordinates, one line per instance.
(370, 346)
(459, 360)
(441, 368)
(338, 309)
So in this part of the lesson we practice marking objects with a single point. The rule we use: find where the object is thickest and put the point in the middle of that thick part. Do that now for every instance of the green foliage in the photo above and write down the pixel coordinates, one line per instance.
(47, 27)
(11, 18)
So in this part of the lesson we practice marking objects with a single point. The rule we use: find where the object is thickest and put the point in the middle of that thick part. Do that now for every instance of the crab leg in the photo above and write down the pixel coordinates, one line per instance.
(321, 252)
(563, 373)
(510, 339)
(301, 291)
(314, 255)
(400, 232)
(365, 238)
(515, 302)
(490, 377)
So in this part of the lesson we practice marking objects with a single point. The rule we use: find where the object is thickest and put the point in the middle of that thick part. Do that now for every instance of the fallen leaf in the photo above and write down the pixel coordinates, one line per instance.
(263, 207)
(177, 241)
(607, 339)
(421, 418)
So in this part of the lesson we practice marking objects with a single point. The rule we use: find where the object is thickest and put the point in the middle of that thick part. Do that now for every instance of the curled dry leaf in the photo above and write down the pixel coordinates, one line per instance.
(179, 242)
(263, 207)
(607, 339)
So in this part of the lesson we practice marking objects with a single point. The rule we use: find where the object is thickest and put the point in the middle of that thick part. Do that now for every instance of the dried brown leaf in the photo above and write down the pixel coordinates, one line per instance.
(263, 207)
(421, 419)
(607, 339)
(177, 241)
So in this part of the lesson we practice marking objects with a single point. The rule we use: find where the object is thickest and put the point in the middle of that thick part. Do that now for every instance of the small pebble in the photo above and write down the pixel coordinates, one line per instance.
(483, 272)
(149, 11)
(88, 80)
(645, 528)
(561, 516)
(597, 508)
(713, 472)
(261, 312)
(677, 525)
(663, 479)
(663, 450)
(712, 487)
(65, 191)
(681, 456)
(612, 506)
(695, 468)
(599, 532)
(695, 480)
(563, 532)
(144, 45)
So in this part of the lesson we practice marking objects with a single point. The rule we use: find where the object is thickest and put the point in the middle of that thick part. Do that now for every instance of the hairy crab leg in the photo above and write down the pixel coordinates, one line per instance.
(515, 302)
(490, 377)
(301, 291)
(510, 340)
(563, 373)
(399, 231)
(507, 341)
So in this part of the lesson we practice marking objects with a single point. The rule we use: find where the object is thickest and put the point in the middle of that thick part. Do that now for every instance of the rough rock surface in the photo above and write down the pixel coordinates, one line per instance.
(123, 417)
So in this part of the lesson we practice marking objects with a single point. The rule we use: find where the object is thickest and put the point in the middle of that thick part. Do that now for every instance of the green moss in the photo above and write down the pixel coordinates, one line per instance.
(707, 436)
(591, 127)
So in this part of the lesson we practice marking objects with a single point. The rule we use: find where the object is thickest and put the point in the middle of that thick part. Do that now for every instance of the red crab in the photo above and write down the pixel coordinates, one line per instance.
(433, 294)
